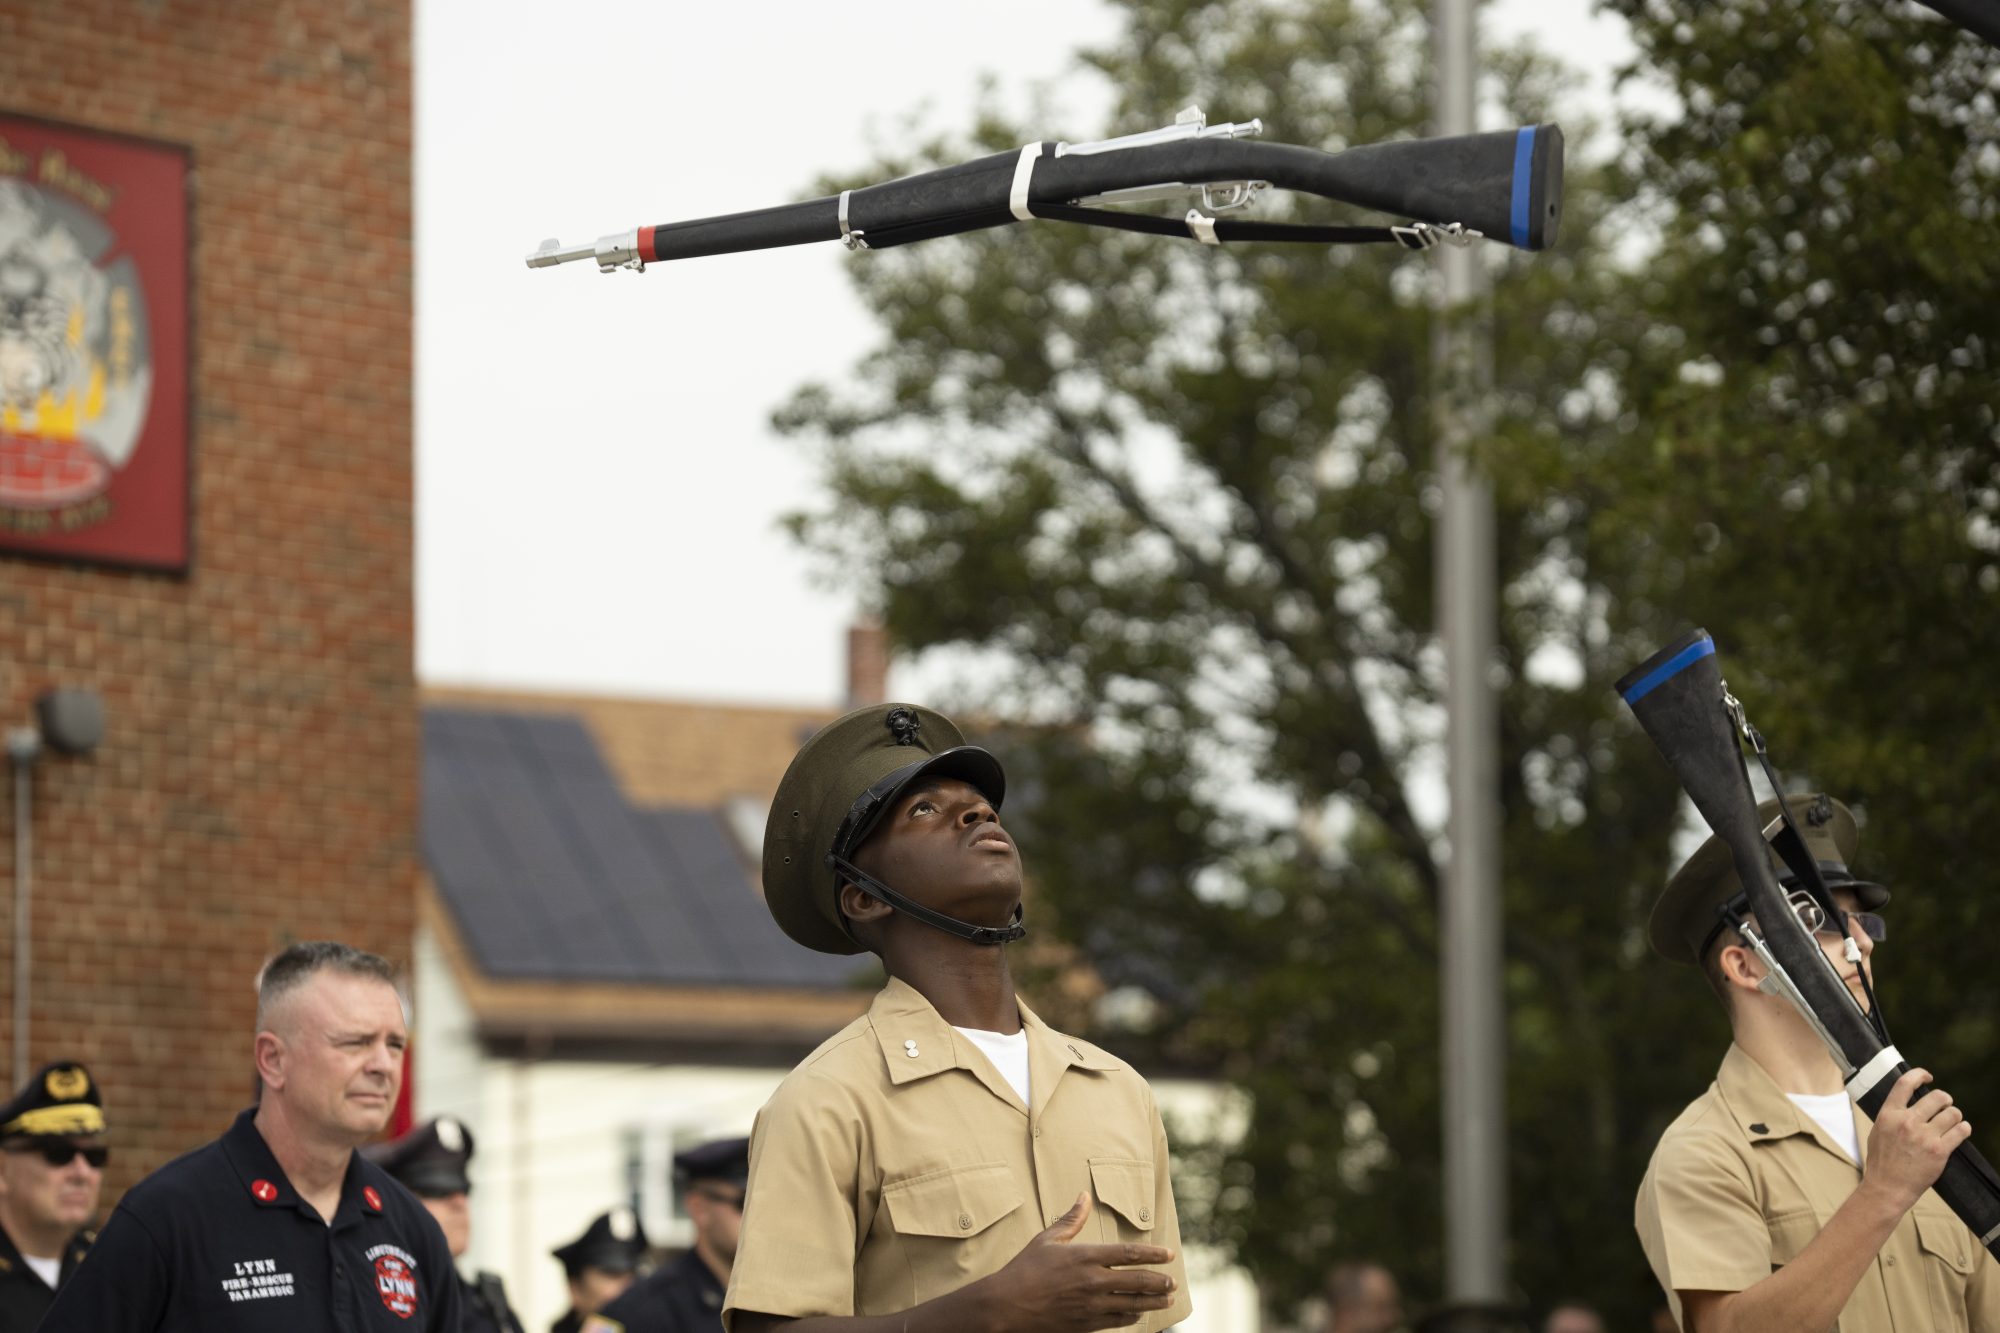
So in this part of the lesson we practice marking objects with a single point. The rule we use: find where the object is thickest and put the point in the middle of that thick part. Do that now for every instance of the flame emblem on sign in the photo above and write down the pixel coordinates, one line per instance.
(75, 358)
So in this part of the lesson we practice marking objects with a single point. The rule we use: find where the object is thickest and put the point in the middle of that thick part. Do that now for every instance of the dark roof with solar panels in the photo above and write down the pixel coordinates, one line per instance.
(551, 872)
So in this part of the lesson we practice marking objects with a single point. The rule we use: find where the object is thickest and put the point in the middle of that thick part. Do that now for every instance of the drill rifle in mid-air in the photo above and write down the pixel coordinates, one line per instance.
(1504, 186)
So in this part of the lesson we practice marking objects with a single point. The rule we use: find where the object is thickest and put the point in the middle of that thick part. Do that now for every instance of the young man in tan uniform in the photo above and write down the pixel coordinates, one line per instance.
(1756, 1213)
(947, 1163)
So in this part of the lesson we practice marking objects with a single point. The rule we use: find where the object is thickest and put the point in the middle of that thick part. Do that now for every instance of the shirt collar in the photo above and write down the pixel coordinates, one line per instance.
(916, 1042)
(265, 1183)
(1761, 1109)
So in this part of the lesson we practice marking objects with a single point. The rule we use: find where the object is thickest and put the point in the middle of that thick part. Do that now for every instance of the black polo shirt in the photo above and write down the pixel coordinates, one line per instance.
(683, 1297)
(218, 1241)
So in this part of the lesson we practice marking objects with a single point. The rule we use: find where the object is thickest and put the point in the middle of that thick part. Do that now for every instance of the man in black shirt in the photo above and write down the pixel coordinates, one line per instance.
(686, 1295)
(431, 1162)
(280, 1226)
(52, 1157)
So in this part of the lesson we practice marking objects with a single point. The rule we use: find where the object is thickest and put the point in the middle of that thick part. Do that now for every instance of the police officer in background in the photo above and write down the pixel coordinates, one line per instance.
(686, 1295)
(280, 1223)
(52, 1158)
(430, 1162)
(601, 1265)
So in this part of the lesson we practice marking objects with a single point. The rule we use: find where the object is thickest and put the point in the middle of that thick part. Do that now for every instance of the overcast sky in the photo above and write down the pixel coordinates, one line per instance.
(597, 484)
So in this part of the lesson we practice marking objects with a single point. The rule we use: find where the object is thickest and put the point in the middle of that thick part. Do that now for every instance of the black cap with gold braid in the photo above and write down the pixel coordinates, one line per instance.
(840, 784)
(60, 1099)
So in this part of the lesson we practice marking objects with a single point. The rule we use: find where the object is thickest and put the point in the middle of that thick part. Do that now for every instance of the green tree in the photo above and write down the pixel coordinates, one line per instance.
(1176, 502)
(1811, 432)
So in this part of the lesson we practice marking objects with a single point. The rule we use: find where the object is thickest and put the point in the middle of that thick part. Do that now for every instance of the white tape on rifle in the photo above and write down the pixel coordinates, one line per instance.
(852, 238)
(1872, 1073)
(1024, 171)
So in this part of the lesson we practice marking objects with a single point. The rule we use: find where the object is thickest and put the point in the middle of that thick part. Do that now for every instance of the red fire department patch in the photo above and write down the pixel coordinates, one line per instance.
(397, 1285)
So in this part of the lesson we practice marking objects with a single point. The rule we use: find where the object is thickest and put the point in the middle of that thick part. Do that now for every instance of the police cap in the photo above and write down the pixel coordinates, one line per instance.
(61, 1099)
(1689, 908)
(838, 787)
(727, 1160)
(430, 1160)
(614, 1242)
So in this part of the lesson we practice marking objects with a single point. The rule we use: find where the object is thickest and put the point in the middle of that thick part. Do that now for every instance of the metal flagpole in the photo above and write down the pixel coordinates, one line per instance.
(1474, 1093)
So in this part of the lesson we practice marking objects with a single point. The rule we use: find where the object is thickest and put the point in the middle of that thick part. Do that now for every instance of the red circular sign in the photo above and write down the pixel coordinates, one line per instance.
(397, 1285)
(373, 1199)
(264, 1190)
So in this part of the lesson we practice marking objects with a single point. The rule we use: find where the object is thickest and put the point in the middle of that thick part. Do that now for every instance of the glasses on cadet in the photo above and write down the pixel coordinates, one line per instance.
(56, 1152)
(1813, 918)
(1810, 916)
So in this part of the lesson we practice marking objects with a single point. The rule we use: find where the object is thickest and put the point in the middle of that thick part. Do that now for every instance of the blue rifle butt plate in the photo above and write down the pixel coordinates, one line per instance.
(1667, 670)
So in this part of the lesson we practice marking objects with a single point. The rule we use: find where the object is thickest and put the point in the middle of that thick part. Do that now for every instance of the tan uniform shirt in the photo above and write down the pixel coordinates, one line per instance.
(1744, 1180)
(895, 1165)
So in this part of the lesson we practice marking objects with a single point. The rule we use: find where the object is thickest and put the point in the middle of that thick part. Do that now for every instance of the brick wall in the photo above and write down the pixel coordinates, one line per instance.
(257, 782)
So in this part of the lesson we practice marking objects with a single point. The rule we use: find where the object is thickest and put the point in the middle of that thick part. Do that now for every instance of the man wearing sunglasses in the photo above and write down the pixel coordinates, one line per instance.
(52, 1159)
(1771, 1204)
(686, 1296)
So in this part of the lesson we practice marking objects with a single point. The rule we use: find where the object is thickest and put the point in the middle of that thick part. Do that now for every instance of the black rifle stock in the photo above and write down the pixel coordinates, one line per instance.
(1679, 698)
(1504, 185)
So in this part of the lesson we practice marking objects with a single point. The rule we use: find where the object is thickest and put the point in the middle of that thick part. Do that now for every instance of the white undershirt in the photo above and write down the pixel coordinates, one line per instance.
(50, 1270)
(1009, 1055)
(1835, 1115)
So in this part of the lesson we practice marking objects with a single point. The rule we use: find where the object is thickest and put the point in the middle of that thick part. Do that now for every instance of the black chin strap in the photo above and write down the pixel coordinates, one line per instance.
(965, 930)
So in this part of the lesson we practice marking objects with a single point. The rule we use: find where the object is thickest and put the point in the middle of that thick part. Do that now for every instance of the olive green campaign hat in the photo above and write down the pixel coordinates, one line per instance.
(838, 786)
(1687, 911)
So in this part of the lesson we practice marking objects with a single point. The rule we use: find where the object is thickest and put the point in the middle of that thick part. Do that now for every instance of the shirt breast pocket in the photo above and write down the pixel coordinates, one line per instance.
(1125, 1189)
(1791, 1232)
(942, 1217)
(1949, 1258)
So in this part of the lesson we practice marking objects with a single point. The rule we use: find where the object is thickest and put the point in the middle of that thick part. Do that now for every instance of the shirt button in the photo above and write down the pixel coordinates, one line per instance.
(1890, 1260)
(1145, 1214)
(965, 1221)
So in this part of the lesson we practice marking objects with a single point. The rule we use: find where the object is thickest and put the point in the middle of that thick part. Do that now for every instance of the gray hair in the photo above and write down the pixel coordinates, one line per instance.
(288, 969)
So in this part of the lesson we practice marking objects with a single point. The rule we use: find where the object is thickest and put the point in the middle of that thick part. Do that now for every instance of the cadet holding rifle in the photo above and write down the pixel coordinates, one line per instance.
(1771, 1204)
(948, 1161)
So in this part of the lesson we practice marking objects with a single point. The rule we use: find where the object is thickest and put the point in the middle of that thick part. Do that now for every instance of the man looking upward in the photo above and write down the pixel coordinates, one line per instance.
(280, 1224)
(947, 1163)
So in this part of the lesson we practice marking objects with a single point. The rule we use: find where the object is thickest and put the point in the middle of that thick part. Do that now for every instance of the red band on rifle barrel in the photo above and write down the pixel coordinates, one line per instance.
(646, 251)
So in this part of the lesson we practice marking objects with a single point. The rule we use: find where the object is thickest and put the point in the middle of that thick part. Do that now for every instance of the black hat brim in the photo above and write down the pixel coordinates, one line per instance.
(967, 763)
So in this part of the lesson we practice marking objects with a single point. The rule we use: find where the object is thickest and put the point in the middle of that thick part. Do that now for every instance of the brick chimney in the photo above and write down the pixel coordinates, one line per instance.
(867, 664)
